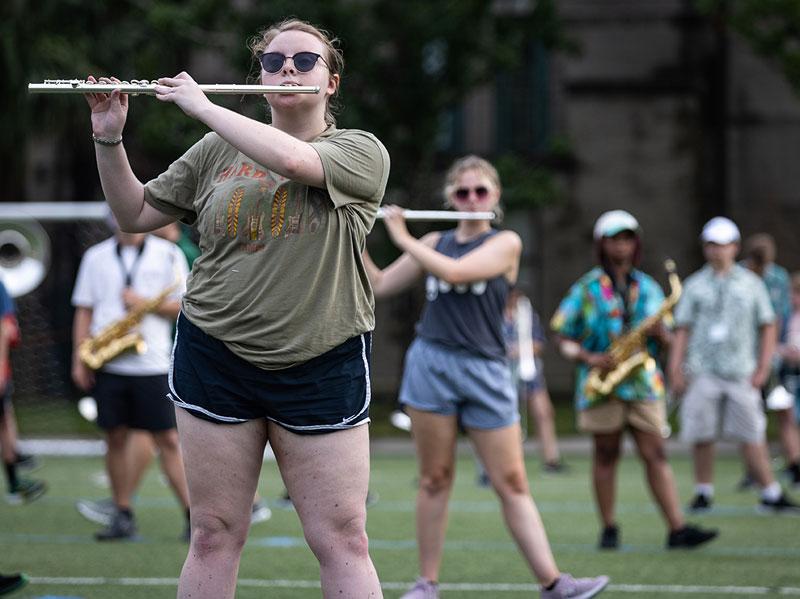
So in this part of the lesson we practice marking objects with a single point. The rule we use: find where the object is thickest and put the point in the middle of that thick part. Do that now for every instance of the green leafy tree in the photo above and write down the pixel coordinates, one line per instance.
(771, 26)
(407, 62)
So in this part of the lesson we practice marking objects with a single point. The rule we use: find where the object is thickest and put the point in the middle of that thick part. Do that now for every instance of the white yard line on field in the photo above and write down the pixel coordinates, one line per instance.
(675, 589)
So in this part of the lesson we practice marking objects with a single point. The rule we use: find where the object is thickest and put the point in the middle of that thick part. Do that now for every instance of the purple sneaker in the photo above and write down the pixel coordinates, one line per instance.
(423, 589)
(575, 588)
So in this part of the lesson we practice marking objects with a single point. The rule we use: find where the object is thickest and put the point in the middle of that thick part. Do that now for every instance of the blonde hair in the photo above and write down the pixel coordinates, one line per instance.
(334, 58)
(473, 163)
(470, 163)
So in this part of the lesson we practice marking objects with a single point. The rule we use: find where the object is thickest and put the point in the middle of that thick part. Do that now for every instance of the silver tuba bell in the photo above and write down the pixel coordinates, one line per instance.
(24, 255)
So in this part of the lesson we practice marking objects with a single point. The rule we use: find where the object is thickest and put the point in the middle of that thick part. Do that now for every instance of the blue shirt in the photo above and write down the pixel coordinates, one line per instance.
(6, 303)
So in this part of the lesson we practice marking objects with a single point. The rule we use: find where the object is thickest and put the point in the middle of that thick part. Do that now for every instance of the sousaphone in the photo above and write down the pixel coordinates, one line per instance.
(24, 255)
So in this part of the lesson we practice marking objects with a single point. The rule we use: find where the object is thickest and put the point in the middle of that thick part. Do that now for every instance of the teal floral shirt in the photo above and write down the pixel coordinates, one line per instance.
(594, 314)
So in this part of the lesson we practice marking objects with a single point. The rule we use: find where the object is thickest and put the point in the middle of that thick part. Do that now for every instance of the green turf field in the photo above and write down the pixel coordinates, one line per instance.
(756, 556)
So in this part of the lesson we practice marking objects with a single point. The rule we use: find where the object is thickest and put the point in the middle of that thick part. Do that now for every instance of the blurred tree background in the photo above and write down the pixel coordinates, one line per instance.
(407, 63)
(772, 28)
(412, 69)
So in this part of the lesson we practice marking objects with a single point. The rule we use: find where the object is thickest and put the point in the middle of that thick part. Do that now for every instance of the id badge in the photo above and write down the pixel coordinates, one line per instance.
(718, 333)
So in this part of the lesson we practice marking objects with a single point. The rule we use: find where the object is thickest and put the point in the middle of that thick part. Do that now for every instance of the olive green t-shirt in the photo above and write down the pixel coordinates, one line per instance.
(280, 277)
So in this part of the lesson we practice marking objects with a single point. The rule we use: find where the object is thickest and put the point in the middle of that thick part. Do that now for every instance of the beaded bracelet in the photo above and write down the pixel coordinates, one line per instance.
(107, 141)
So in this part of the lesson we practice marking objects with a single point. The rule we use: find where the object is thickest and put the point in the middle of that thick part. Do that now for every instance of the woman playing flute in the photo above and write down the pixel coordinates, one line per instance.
(273, 341)
(456, 373)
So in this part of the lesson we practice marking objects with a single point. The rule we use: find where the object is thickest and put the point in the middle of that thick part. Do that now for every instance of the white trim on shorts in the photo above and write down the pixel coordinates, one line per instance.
(345, 423)
(177, 398)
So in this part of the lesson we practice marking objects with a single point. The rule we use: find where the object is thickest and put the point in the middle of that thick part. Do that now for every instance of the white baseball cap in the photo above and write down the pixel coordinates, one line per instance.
(720, 230)
(615, 221)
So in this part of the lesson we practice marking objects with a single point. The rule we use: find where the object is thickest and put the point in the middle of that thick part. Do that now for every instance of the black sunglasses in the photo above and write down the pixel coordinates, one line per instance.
(462, 193)
(272, 62)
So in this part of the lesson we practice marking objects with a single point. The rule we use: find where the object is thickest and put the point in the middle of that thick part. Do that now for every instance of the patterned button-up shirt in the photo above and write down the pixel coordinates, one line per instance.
(594, 314)
(724, 315)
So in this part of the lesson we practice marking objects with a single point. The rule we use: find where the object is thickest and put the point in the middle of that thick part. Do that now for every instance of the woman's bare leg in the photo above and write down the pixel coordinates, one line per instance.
(222, 462)
(435, 440)
(327, 477)
(501, 452)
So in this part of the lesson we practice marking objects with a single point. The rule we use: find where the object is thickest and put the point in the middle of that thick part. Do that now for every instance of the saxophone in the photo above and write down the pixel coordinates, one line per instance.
(629, 350)
(118, 337)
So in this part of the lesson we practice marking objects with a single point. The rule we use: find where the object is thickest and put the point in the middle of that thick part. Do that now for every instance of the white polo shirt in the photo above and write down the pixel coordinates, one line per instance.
(101, 281)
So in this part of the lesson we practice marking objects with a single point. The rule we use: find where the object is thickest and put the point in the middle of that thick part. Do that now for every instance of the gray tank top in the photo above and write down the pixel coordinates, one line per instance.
(468, 316)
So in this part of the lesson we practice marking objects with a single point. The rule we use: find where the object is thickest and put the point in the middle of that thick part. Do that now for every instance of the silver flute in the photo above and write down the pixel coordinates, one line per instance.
(443, 215)
(142, 86)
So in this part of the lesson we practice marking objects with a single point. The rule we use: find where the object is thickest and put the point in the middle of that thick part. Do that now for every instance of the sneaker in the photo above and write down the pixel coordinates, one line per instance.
(609, 538)
(27, 462)
(122, 527)
(700, 503)
(575, 588)
(555, 467)
(26, 491)
(12, 582)
(260, 513)
(782, 505)
(690, 536)
(422, 589)
(100, 511)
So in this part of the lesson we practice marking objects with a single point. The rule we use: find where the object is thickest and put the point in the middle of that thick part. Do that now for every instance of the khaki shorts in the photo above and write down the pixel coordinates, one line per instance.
(614, 415)
(713, 407)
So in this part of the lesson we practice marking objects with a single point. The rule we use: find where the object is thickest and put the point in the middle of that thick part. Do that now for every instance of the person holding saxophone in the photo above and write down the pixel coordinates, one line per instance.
(612, 301)
(130, 283)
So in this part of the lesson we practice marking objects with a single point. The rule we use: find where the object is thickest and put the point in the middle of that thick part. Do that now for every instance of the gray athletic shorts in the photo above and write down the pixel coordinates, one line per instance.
(713, 407)
(450, 381)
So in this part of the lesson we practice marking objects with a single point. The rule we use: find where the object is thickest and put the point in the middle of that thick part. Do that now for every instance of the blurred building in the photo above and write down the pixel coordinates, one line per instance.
(669, 116)
(664, 113)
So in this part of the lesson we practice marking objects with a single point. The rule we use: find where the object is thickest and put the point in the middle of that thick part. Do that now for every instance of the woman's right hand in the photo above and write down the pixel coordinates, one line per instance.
(109, 111)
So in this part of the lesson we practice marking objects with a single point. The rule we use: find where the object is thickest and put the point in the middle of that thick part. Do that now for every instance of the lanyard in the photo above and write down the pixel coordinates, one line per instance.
(127, 274)
(625, 296)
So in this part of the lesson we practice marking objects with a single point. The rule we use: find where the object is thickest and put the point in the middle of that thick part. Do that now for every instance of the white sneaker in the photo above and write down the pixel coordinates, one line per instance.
(422, 589)
(260, 513)
(100, 511)
(575, 588)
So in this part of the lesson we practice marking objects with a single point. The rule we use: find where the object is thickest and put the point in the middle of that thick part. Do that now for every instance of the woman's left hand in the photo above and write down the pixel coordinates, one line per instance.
(395, 224)
(183, 91)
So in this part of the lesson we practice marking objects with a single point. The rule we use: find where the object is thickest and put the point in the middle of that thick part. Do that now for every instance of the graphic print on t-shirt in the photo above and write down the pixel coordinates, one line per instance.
(247, 198)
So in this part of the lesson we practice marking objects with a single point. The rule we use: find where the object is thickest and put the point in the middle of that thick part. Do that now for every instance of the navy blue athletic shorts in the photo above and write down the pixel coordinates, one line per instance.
(133, 401)
(327, 393)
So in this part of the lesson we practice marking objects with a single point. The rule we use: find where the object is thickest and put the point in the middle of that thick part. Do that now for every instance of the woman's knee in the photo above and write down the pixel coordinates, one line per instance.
(330, 538)
(512, 482)
(212, 534)
(437, 480)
